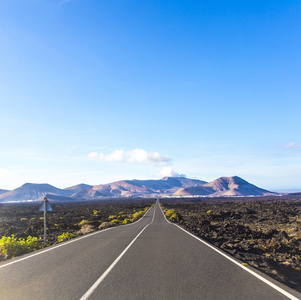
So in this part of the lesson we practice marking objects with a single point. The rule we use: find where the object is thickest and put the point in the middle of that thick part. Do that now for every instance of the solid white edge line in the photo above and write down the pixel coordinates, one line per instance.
(69, 242)
(285, 293)
(109, 269)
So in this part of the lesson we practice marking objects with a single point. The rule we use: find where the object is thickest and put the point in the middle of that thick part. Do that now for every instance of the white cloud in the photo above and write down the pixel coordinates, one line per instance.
(132, 156)
(292, 145)
(116, 156)
(169, 172)
(5, 173)
(141, 156)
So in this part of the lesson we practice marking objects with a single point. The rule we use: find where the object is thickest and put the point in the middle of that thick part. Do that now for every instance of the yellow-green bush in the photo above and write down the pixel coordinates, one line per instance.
(126, 221)
(115, 221)
(96, 212)
(65, 236)
(173, 215)
(12, 246)
(138, 214)
(82, 222)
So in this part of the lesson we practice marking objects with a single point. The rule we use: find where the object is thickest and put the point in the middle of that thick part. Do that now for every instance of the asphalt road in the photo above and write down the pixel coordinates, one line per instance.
(150, 259)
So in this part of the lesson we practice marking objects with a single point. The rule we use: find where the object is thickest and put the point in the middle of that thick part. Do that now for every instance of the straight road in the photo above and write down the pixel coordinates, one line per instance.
(150, 259)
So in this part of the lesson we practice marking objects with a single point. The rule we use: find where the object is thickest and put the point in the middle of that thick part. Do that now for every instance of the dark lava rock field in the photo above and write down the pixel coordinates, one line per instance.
(263, 232)
(77, 218)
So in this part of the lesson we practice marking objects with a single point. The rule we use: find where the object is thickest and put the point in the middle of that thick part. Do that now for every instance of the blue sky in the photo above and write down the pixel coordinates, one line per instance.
(97, 91)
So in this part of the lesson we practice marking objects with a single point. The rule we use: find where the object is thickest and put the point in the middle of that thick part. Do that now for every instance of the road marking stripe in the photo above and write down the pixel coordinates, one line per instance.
(285, 293)
(109, 269)
(69, 242)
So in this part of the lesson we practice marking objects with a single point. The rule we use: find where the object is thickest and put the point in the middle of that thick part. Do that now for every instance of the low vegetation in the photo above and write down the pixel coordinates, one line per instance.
(22, 231)
(173, 215)
(12, 246)
(65, 236)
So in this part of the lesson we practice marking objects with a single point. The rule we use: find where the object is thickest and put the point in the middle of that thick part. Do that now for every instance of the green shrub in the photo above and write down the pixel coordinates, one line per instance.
(138, 214)
(173, 215)
(96, 212)
(126, 221)
(82, 222)
(170, 212)
(65, 236)
(12, 246)
(115, 221)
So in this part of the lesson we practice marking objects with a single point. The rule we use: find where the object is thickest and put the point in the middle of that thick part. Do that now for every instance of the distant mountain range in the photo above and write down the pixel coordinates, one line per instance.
(167, 186)
(3, 191)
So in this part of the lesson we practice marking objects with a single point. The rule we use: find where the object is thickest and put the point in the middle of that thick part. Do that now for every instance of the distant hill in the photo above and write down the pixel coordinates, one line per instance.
(295, 194)
(31, 191)
(87, 194)
(77, 188)
(226, 186)
(3, 191)
(128, 188)
(167, 186)
(194, 191)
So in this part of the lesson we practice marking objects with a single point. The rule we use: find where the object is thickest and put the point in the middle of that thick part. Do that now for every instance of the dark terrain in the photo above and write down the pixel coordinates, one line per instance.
(77, 218)
(263, 232)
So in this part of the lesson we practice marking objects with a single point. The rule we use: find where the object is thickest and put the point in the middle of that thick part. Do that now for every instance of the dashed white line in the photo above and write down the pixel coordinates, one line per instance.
(109, 269)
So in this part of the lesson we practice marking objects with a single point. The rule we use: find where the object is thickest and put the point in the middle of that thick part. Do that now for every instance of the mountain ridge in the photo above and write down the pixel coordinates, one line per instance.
(166, 186)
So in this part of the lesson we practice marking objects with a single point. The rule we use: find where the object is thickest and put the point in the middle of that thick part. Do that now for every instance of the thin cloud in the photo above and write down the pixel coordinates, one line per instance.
(132, 156)
(6, 173)
(292, 145)
(169, 172)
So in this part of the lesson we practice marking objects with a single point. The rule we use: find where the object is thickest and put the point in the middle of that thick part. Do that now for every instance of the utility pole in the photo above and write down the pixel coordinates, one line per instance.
(45, 207)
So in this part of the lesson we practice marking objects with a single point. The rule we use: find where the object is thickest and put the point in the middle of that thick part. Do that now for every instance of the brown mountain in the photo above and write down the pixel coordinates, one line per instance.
(128, 188)
(3, 191)
(77, 188)
(31, 191)
(226, 186)
(87, 194)
(167, 186)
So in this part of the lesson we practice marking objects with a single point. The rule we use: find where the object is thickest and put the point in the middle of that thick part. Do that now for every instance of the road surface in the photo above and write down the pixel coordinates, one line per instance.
(150, 259)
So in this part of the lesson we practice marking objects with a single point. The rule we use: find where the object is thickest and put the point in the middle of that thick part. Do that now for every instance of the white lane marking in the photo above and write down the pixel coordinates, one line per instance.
(69, 242)
(109, 269)
(285, 293)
